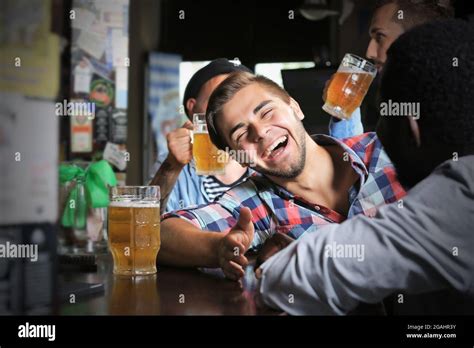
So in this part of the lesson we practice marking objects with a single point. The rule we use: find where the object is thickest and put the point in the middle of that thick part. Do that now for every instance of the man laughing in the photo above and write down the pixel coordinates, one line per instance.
(304, 182)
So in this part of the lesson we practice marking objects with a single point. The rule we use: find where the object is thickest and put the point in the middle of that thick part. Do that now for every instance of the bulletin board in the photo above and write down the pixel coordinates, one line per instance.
(99, 75)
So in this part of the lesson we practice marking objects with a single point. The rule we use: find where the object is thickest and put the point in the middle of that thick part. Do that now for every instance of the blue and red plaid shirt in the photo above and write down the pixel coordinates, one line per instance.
(276, 209)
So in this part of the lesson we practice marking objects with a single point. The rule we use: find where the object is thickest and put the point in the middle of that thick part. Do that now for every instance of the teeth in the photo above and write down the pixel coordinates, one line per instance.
(275, 144)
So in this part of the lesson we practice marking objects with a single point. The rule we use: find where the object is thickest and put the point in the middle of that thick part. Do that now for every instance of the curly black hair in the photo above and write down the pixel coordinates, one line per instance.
(433, 64)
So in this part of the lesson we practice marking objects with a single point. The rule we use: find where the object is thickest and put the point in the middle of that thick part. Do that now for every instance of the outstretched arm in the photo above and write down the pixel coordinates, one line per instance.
(184, 244)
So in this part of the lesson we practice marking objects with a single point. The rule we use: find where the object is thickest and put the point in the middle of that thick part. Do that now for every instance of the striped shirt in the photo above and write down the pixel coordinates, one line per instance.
(215, 188)
(276, 209)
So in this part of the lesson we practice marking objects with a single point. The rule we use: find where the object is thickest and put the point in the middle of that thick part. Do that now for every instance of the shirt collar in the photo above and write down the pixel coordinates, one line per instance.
(356, 162)
(322, 139)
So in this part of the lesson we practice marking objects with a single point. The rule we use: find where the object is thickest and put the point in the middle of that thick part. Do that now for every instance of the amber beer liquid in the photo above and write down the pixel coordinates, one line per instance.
(134, 235)
(349, 86)
(207, 157)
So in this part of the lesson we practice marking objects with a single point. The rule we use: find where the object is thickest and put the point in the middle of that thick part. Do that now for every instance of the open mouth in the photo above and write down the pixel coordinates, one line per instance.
(276, 148)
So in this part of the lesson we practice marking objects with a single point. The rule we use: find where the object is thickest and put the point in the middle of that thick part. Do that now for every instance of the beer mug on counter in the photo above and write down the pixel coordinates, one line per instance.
(134, 229)
(208, 159)
(349, 86)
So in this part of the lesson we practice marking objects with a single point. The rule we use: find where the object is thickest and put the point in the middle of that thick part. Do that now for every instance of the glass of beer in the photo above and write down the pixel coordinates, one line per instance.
(349, 86)
(208, 159)
(134, 229)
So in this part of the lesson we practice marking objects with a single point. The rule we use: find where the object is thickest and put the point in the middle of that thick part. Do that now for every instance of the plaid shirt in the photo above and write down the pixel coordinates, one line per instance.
(276, 209)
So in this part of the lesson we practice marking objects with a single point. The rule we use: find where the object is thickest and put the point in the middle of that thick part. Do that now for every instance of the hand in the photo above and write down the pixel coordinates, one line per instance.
(272, 245)
(326, 87)
(233, 246)
(179, 145)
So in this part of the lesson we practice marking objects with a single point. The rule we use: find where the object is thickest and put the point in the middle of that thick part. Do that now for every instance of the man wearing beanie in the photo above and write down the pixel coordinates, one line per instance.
(179, 183)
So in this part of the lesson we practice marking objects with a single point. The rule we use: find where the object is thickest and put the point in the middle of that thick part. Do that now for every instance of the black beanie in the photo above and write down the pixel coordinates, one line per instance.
(217, 67)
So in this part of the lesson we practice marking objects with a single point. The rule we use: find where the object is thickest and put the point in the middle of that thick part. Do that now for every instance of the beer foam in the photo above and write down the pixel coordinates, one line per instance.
(352, 70)
(134, 204)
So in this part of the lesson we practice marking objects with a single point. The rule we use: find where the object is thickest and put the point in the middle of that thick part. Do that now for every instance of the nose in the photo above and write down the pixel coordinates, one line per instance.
(258, 130)
(371, 50)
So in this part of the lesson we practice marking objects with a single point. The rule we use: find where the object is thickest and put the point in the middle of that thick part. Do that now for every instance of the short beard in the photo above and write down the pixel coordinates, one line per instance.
(296, 170)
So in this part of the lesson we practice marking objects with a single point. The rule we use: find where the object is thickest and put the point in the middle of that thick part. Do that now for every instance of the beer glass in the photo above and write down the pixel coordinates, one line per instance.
(208, 159)
(349, 86)
(134, 229)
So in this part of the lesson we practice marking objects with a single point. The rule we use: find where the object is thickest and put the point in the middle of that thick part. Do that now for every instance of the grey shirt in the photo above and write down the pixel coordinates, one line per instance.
(424, 243)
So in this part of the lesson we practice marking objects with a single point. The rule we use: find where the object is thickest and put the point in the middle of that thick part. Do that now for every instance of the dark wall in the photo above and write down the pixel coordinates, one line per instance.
(144, 37)
(254, 31)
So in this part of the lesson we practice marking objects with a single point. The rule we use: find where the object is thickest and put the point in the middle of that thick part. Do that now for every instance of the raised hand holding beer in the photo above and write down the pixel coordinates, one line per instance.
(348, 86)
(179, 145)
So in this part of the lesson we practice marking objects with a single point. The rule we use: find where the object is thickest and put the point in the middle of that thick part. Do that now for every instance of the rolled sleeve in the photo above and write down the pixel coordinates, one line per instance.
(211, 217)
(342, 129)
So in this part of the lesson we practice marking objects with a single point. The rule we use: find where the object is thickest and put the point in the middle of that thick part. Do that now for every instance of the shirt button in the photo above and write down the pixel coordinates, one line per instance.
(317, 207)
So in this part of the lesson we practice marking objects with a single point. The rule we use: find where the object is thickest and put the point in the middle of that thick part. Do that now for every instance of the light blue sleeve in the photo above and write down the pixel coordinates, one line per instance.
(175, 201)
(187, 191)
(346, 128)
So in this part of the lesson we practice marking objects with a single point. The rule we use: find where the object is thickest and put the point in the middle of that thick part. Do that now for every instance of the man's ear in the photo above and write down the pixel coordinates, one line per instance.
(296, 108)
(190, 103)
(415, 130)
